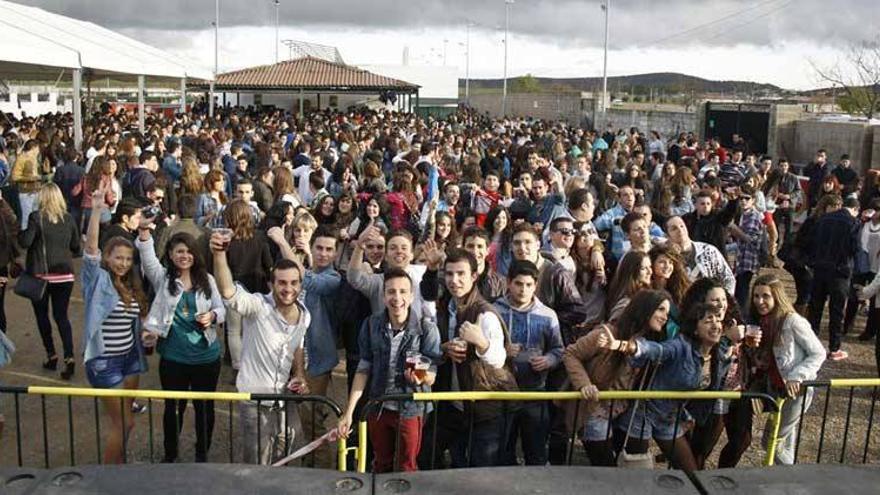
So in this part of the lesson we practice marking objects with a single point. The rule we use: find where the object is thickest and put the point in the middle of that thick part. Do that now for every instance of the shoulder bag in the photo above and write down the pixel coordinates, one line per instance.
(28, 285)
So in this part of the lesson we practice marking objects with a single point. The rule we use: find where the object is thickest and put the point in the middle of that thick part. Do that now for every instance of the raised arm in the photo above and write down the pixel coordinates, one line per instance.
(94, 227)
(276, 234)
(222, 273)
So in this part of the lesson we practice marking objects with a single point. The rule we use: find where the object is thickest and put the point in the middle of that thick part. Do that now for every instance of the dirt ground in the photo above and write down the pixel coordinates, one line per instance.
(70, 434)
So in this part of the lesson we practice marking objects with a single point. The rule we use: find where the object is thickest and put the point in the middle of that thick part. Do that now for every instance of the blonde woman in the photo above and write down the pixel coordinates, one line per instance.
(304, 225)
(51, 239)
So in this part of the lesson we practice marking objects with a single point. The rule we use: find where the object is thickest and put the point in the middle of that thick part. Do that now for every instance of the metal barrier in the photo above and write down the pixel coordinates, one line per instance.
(832, 416)
(361, 452)
(51, 419)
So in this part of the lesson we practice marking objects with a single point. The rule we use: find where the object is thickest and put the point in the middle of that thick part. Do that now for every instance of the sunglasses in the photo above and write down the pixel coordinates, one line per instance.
(566, 231)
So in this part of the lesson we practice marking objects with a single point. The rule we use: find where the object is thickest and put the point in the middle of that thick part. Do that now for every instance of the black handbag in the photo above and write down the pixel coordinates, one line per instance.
(29, 286)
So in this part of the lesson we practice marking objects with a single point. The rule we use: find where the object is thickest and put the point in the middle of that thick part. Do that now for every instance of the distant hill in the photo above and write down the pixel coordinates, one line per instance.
(667, 82)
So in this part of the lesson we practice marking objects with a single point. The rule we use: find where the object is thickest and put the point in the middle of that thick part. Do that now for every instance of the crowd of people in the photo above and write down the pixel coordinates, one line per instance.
(456, 254)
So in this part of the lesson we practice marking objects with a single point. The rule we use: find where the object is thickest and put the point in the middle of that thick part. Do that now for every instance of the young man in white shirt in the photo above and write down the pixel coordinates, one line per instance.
(272, 357)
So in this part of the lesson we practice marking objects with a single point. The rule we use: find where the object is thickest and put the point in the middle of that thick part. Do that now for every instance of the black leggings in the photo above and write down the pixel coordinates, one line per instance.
(197, 378)
(60, 295)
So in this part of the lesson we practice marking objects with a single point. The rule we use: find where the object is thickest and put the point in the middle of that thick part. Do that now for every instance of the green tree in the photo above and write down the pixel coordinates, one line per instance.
(859, 77)
(525, 84)
(860, 101)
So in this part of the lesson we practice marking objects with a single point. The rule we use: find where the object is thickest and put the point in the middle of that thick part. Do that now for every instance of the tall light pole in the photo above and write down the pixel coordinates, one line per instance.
(216, 55)
(277, 5)
(606, 8)
(507, 4)
(467, 63)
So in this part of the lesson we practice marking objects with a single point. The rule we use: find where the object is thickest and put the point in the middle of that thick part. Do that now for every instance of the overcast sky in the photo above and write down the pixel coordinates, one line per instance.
(758, 40)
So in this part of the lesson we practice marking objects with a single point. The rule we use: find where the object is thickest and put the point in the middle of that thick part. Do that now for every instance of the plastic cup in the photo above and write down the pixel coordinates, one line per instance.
(412, 359)
(421, 367)
(753, 335)
(225, 233)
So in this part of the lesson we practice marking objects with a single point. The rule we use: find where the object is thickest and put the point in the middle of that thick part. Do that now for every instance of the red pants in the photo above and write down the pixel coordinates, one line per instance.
(383, 435)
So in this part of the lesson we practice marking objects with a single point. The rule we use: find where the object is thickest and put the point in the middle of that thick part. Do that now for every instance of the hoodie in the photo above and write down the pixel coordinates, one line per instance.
(536, 326)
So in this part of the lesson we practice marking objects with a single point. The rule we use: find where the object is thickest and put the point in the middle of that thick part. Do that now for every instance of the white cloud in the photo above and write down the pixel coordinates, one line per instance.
(785, 64)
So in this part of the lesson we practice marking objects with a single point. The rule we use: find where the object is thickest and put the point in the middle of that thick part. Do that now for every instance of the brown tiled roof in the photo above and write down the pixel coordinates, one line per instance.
(307, 73)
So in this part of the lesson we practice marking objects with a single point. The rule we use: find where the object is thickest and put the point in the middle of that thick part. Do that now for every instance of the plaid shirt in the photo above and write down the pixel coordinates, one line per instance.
(747, 251)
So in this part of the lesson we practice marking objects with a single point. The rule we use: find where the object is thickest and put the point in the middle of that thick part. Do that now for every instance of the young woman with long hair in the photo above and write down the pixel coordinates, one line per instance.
(182, 317)
(633, 274)
(345, 213)
(212, 201)
(789, 354)
(283, 187)
(191, 180)
(592, 368)
(325, 210)
(668, 273)
(590, 281)
(445, 234)
(707, 432)
(51, 239)
(375, 209)
(100, 176)
(500, 227)
(115, 304)
(696, 359)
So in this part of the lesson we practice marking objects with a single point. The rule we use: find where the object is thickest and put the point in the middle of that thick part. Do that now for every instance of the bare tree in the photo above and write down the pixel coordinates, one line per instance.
(858, 75)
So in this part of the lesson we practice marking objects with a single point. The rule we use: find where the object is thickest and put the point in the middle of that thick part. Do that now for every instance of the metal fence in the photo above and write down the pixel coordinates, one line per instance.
(611, 397)
(821, 425)
(54, 426)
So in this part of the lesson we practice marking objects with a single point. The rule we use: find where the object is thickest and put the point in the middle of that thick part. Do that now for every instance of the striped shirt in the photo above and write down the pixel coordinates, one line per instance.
(117, 328)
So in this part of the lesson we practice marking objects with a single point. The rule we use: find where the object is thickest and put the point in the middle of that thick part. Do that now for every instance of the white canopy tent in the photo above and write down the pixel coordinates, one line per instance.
(40, 45)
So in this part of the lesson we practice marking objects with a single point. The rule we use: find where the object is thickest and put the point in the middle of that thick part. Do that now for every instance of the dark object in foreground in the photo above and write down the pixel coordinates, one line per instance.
(220, 479)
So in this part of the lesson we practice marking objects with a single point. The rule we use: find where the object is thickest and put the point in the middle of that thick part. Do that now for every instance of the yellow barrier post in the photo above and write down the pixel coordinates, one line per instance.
(362, 447)
(341, 453)
(770, 458)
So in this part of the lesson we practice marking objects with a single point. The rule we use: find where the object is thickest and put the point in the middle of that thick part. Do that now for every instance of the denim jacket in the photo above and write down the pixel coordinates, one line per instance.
(679, 367)
(161, 314)
(100, 298)
(319, 289)
(375, 347)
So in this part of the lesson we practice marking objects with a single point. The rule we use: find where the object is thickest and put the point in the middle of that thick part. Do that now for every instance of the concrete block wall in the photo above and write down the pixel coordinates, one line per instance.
(572, 108)
(548, 106)
(854, 138)
(782, 129)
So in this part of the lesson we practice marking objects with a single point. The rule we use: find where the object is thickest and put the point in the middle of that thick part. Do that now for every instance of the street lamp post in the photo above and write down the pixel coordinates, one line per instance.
(606, 8)
(507, 4)
(216, 56)
(467, 64)
(277, 5)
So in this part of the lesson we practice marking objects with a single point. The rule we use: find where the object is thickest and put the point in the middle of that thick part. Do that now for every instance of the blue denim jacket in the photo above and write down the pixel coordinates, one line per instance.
(679, 368)
(320, 288)
(100, 298)
(375, 348)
